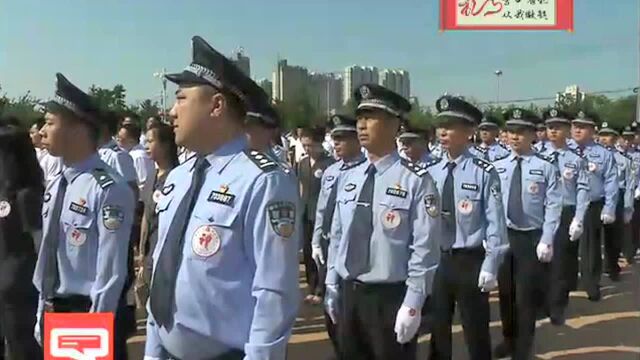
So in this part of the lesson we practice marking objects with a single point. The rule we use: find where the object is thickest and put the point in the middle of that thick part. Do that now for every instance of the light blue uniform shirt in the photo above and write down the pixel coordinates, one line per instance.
(626, 178)
(490, 152)
(541, 193)
(237, 283)
(406, 223)
(574, 178)
(438, 151)
(603, 179)
(119, 160)
(425, 159)
(330, 177)
(634, 154)
(479, 209)
(93, 235)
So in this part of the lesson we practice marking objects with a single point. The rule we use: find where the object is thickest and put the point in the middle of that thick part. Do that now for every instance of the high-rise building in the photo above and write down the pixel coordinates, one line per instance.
(325, 92)
(355, 76)
(267, 86)
(242, 62)
(397, 81)
(289, 81)
(571, 92)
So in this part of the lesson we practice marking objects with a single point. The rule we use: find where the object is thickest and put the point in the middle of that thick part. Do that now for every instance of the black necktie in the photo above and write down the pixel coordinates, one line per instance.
(328, 217)
(449, 209)
(50, 278)
(515, 212)
(357, 261)
(166, 271)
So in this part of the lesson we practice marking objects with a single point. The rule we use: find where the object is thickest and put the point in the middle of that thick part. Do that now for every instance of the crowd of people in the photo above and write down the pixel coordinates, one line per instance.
(200, 220)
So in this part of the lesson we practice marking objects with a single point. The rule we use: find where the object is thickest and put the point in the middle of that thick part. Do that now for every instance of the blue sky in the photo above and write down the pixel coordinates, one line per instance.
(125, 41)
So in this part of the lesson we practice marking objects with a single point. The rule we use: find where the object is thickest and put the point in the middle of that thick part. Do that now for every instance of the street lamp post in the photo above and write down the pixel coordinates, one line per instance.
(163, 99)
(498, 75)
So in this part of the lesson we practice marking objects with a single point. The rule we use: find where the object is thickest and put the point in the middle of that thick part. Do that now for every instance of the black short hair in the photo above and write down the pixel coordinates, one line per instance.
(316, 134)
(133, 131)
(165, 136)
(39, 122)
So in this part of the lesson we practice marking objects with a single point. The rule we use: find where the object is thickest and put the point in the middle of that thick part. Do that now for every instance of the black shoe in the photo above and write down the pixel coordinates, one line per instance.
(503, 350)
(557, 317)
(594, 295)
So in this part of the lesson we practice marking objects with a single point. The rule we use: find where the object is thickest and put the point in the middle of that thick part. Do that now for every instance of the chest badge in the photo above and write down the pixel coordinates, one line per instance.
(157, 195)
(533, 188)
(465, 206)
(206, 241)
(593, 167)
(77, 237)
(390, 219)
(318, 173)
(5, 209)
(282, 216)
(567, 174)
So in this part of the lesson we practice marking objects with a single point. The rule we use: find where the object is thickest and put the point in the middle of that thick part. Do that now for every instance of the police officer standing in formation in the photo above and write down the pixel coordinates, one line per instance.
(21, 189)
(603, 192)
(627, 146)
(87, 215)
(112, 154)
(574, 186)
(531, 192)
(489, 148)
(261, 125)
(472, 212)
(347, 148)
(413, 146)
(614, 233)
(541, 136)
(225, 280)
(386, 226)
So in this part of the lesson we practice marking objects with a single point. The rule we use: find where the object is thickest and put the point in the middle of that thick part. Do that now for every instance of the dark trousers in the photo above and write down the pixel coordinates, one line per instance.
(589, 248)
(456, 281)
(332, 330)
(316, 286)
(367, 317)
(563, 269)
(520, 278)
(17, 319)
(231, 355)
(614, 237)
(630, 251)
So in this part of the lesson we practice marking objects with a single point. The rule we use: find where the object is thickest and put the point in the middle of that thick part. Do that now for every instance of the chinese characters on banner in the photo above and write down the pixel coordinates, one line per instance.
(506, 15)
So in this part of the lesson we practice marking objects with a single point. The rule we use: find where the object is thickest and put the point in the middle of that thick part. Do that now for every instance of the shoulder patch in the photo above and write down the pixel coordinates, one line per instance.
(414, 168)
(432, 162)
(103, 178)
(347, 166)
(483, 164)
(544, 157)
(263, 161)
(502, 157)
(481, 149)
(115, 148)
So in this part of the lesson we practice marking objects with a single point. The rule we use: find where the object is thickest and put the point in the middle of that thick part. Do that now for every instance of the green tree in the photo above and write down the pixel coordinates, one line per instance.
(299, 112)
(110, 99)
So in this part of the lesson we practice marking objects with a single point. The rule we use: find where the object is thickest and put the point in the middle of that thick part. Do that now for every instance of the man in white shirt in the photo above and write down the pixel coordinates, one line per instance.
(128, 137)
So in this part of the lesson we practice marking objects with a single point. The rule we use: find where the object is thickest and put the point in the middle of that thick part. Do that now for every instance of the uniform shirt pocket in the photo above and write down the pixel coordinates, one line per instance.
(394, 216)
(213, 233)
(79, 231)
(469, 210)
(534, 188)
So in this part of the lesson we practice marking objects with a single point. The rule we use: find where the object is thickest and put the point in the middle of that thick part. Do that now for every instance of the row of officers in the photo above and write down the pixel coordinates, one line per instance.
(394, 237)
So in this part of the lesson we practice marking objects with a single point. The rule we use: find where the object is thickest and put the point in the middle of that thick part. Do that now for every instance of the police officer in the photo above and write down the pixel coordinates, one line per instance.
(112, 154)
(261, 124)
(472, 212)
(541, 137)
(225, 277)
(381, 266)
(628, 147)
(413, 145)
(531, 192)
(489, 148)
(603, 192)
(614, 233)
(21, 189)
(87, 215)
(347, 148)
(574, 185)
(436, 146)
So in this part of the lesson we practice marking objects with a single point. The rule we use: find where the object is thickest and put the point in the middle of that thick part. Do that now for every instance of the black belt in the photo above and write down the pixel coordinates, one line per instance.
(68, 304)
(357, 284)
(229, 355)
(478, 250)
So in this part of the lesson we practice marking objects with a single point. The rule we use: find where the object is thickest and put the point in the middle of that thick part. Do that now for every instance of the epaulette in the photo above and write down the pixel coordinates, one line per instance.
(575, 151)
(481, 149)
(413, 167)
(347, 166)
(484, 164)
(263, 161)
(544, 157)
(502, 157)
(504, 146)
(103, 178)
(625, 154)
(432, 162)
(115, 147)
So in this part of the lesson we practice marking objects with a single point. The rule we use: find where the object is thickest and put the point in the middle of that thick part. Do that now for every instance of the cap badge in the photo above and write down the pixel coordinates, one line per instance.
(444, 104)
(605, 125)
(517, 114)
(365, 92)
(553, 112)
(581, 114)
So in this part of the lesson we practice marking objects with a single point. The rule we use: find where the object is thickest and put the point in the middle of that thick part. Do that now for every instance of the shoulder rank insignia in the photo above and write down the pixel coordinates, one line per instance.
(263, 161)
(414, 168)
(432, 162)
(115, 147)
(103, 178)
(483, 164)
(545, 157)
(480, 148)
(351, 165)
(504, 146)
(502, 157)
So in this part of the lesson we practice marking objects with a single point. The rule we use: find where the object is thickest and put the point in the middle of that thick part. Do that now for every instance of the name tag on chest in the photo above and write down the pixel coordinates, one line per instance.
(77, 208)
(397, 192)
(221, 198)
(536, 172)
(472, 187)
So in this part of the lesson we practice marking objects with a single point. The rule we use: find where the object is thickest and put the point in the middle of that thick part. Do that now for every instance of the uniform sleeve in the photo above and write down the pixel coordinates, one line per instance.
(611, 184)
(115, 216)
(125, 167)
(582, 191)
(424, 253)
(630, 181)
(153, 347)
(332, 253)
(321, 205)
(496, 232)
(273, 228)
(552, 205)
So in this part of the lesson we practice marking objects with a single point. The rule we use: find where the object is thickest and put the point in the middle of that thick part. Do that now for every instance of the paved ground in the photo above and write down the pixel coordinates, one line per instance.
(607, 330)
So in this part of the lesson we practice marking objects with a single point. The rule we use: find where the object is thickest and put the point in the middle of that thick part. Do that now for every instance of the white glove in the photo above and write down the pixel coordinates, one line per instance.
(36, 333)
(575, 230)
(545, 252)
(607, 219)
(316, 254)
(487, 281)
(331, 296)
(407, 324)
(628, 215)
(637, 193)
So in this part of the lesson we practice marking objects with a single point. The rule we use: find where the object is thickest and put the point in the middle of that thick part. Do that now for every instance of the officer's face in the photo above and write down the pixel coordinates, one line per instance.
(627, 142)
(520, 139)
(345, 146)
(413, 148)
(455, 137)
(123, 139)
(557, 132)
(152, 146)
(582, 133)
(34, 133)
(55, 135)
(193, 112)
(311, 147)
(541, 135)
(488, 136)
(376, 129)
(504, 137)
(608, 139)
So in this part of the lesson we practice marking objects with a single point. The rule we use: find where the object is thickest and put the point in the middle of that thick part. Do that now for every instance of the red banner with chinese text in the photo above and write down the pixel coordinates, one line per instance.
(506, 15)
